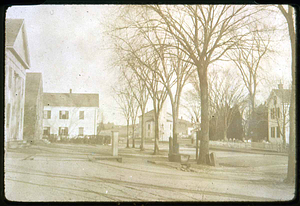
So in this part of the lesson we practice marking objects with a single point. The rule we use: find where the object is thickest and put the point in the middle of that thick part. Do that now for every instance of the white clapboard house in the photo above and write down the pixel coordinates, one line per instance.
(69, 115)
(278, 105)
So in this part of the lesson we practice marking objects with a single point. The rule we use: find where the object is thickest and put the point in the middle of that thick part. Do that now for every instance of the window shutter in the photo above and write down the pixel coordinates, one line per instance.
(59, 114)
(66, 131)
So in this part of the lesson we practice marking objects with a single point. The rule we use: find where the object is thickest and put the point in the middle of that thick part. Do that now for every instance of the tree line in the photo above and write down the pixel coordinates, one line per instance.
(162, 48)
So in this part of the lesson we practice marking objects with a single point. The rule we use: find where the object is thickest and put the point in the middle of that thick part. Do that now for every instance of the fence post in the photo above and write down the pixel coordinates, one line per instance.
(115, 141)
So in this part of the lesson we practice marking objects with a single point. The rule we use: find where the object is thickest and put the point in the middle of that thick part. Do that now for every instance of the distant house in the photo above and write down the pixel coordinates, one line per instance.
(278, 105)
(33, 111)
(70, 115)
(16, 62)
(184, 127)
(165, 125)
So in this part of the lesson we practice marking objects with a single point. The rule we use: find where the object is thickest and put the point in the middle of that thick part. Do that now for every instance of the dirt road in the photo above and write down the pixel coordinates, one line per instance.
(60, 172)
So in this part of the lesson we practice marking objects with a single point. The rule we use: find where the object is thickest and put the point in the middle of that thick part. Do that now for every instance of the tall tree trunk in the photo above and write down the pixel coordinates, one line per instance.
(133, 140)
(225, 128)
(288, 14)
(156, 133)
(283, 135)
(127, 145)
(156, 127)
(225, 134)
(175, 131)
(292, 162)
(143, 130)
(204, 142)
(252, 99)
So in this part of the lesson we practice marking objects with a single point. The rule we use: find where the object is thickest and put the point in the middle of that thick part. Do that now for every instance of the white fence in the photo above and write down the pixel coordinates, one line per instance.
(250, 145)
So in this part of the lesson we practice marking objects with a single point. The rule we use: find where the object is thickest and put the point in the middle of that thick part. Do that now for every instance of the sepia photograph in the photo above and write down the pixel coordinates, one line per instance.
(150, 103)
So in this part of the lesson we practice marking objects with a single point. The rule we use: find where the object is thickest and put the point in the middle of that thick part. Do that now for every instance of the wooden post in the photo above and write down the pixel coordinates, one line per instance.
(115, 141)
(197, 141)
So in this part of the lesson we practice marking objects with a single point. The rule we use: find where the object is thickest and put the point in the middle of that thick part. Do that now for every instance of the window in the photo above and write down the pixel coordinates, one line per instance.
(47, 114)
(275, 100)
(81, 131)
(63, 131)
(148, 126)
(272, 113)
(278, 112)
(63, 114)
(272, 131)
(278, 132)
(46, 131)
(81, 114)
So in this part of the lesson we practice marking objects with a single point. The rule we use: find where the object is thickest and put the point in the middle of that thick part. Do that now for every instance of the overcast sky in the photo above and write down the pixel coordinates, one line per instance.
(67, 44)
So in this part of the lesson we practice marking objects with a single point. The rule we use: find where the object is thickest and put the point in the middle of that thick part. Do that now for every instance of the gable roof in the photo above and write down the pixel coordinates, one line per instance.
(183, 121)
(33, 84)
(16, 40)
(284, 94)
(71, 100)
(13, 27)
(150, 113)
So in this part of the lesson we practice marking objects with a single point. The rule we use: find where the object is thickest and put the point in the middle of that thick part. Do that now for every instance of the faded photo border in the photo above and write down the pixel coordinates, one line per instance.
(105, 74)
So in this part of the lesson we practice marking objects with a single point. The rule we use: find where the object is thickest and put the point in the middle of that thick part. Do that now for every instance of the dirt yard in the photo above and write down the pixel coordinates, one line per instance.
(61, 172)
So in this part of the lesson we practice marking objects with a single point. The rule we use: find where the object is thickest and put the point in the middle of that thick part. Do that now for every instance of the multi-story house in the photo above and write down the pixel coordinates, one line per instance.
(68, 115)
(16, 62)
(278, 114)
(33, 111)
(165, 124)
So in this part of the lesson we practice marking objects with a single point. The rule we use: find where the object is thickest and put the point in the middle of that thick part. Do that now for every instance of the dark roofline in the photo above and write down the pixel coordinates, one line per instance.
(71, 99)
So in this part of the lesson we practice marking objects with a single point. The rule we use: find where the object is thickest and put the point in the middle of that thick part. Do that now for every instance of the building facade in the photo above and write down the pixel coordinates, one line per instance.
(165, 125)
(33, 110)
(69, 115)
(278, 105)
(184, 127)
(16, 64)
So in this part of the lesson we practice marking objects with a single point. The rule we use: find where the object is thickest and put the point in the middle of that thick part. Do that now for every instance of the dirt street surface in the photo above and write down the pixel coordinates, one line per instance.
(69, 172)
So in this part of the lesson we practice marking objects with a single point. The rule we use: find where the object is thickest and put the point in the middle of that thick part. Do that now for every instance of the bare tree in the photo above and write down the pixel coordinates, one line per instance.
(124, 100)
(191, 102)
(143, 59)
(226, 97)
(173, 70)
(134, 108)
(139, 92)
(247, 57)
(288, 14)
(139, 61)
(157, 92)
(205, 33)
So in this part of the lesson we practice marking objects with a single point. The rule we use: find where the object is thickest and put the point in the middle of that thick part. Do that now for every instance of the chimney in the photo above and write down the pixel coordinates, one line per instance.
(70, 91)
(280, 86)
